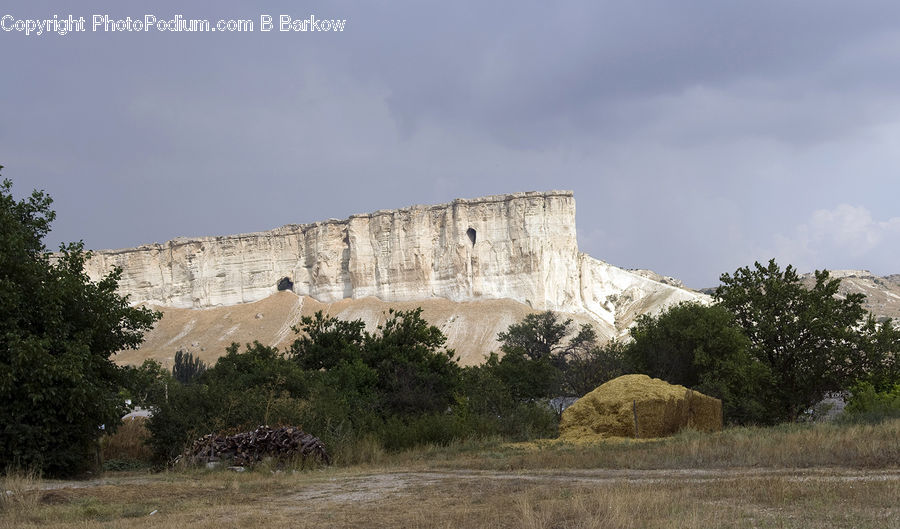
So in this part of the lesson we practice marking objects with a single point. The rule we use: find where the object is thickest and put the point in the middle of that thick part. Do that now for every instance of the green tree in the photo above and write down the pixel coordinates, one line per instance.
(489, 408)
(883, 356)
(58, 330)
(257, 386)
(532, 358)
(538, 336)
(702, 348)
(416, 373)
(401, 368)
(524, 377)
(327, 341)
(240, 392)
(589, 365)
(258, 366)
(187, 412)
(540, 360)
(866, 404)
(187, 368)
(146, 385)
(809, 339)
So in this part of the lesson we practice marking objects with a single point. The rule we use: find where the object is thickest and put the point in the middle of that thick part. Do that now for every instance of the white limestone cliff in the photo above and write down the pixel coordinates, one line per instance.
(520, 246)
(618, 296)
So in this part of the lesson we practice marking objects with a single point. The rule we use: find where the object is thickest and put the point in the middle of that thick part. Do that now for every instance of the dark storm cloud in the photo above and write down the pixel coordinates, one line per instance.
(609, 68)
(697, 136)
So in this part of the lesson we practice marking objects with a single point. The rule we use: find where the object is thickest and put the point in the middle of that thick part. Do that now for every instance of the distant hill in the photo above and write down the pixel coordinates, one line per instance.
(882, 293)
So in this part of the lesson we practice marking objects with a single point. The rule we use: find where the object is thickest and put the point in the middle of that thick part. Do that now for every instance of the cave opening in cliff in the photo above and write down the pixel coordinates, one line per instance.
(285, 283)
(471, 233)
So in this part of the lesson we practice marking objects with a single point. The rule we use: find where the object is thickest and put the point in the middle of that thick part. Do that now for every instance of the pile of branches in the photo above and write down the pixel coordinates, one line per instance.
(247, 448)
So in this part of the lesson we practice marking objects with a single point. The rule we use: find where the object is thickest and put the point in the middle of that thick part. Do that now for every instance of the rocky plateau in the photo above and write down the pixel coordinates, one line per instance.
(474, 266)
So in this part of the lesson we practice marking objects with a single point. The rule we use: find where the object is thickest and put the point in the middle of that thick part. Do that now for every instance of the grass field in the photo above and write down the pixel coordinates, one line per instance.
(791, 476)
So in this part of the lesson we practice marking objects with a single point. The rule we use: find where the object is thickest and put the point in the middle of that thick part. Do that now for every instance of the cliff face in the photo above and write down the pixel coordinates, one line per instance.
(617, 297)
(519, 247)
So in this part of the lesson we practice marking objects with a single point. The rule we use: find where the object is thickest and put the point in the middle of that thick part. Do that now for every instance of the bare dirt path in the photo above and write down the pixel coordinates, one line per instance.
(376, 486)
(419, 496)
(373, 485)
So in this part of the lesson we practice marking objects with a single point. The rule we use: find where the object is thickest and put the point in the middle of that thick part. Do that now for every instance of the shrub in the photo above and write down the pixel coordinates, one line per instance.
(866, 404)
(702, 348)
(240, 392)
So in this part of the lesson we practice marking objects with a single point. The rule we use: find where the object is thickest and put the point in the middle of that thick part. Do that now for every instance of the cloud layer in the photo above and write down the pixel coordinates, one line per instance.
(697, 136)
(848, 236)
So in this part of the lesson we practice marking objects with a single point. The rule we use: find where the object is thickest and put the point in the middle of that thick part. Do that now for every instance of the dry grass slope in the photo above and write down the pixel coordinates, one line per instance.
(471, 327)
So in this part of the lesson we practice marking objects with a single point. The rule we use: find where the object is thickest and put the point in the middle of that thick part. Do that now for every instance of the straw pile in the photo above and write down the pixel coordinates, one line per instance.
(640, 407)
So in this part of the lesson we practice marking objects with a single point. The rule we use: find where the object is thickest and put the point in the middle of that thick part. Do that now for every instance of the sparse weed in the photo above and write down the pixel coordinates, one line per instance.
(17, 490)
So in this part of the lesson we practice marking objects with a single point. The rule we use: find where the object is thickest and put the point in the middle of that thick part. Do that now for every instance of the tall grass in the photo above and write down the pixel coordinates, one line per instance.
(17, 490)
(396, 495)
(127, 447)
(785, 446)
(804, 445)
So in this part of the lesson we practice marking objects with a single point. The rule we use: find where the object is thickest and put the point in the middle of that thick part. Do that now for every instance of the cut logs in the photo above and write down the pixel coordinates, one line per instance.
(247, 448)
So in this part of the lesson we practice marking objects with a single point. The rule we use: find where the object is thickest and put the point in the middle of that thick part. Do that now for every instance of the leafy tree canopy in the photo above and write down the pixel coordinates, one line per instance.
(402, 367)
(186, 367)
(258, 366)
(58, 330)
(811, 340)
(146, 385)
(327, 341)
(538, 336)
(416, 373)
(540, 360)
(702, 348)
(882, 361)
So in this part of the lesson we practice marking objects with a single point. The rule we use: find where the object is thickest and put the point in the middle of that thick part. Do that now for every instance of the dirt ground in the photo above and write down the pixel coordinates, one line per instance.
(376, 486)
(416, 497)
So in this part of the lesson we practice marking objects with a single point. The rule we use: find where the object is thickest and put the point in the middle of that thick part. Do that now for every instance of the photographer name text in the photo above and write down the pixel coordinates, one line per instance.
(178, 23)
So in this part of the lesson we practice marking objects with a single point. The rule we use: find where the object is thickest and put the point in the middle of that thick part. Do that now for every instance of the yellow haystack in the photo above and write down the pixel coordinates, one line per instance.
(639, 406)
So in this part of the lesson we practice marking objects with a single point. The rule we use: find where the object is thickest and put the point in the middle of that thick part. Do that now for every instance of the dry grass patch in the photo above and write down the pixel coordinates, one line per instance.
(786, 446)
(128, 443)
(15, 491)
(470, 499)
(792, 476)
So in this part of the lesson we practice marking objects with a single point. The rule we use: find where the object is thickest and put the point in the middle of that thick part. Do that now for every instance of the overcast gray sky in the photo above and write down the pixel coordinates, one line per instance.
(697, 136)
